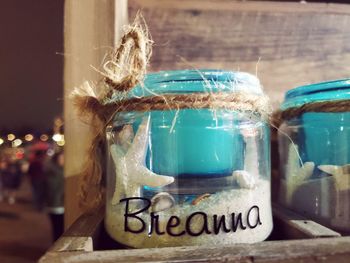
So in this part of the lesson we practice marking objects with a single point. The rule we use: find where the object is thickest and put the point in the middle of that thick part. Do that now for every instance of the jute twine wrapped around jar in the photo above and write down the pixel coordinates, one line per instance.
(335, 106)
(126, 69)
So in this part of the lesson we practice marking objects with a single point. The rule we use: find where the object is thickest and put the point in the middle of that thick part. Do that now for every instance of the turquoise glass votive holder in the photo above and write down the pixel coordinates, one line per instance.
(324, 137)
(195, 142)
(314, 146)
(189, 174)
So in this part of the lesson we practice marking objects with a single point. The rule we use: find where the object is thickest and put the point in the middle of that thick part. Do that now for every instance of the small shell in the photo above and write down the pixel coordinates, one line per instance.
(244, 179)
(200, 198)
(125, 136)
(162, 201)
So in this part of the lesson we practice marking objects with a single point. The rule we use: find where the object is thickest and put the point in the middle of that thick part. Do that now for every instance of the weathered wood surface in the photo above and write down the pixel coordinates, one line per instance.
(79, 241)
(323, 249)
(90, 30)
(294, 43)
(294, 226)
(65, 244)
(82, 234)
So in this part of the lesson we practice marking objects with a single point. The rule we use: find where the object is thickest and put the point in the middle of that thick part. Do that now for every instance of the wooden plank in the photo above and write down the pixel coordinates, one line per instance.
(85, 233)
(82, 234)
(65, 244)
(87, 225)
(294, 226)
(323, 249)
(90, 30)
(243, 6)
(287, 44)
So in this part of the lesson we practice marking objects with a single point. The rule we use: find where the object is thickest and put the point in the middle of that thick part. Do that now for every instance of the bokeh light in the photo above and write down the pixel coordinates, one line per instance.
(16, 143)
(11, 137)
(58, 137)
(44, 137)
(61, 143)
(29, 137)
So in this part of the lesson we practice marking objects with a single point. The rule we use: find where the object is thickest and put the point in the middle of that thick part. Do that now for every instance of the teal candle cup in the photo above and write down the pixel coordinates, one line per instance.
(324, 137)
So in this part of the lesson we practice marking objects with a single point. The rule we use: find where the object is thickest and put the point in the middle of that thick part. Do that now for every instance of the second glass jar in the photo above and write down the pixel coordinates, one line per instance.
(315, 156)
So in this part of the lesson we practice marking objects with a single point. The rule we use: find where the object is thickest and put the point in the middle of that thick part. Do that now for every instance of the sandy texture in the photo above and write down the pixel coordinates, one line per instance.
(222, 203)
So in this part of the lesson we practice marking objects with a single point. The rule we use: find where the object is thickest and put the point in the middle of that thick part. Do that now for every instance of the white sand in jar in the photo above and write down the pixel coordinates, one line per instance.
(223, 203)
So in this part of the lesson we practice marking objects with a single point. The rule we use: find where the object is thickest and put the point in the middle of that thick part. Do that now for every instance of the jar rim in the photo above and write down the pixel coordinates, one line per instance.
(322, 91)
(168, 82)
(198, 75)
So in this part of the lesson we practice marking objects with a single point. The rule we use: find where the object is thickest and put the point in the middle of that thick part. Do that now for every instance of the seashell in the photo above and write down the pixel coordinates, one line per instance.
(244, 179)
(125, 136)
(200, 199)
(162, 201)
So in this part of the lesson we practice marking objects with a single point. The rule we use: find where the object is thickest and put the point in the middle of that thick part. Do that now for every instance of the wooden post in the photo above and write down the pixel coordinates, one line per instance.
(91, 28)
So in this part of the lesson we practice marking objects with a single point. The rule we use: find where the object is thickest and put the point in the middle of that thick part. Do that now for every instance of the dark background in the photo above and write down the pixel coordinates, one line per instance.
(31, 64)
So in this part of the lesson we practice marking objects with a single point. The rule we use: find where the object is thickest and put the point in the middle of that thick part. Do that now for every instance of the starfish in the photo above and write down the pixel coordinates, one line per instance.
(341, 174)
(295, 172)
(131, 172)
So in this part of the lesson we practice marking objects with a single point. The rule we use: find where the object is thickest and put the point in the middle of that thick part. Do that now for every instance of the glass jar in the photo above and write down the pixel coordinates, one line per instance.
(189, 176)
(314, 155)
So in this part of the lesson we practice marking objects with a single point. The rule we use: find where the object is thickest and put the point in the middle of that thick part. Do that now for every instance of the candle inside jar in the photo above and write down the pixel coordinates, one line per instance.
(194, 143)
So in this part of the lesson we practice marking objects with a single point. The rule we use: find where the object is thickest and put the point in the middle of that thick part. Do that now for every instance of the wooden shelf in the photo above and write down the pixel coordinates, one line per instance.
(294, 239)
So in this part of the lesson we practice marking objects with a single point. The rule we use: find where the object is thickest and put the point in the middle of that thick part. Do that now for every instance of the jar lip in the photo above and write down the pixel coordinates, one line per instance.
(198, 75)
(174, 81)
(323, 91)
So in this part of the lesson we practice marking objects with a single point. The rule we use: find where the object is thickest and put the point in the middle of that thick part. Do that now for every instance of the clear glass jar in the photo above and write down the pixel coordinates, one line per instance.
(189, 176)
(314, 156)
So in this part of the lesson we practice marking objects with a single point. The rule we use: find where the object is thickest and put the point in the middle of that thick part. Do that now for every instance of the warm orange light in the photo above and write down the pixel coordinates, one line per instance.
(44, 137)
(58, 122)
(29, 137)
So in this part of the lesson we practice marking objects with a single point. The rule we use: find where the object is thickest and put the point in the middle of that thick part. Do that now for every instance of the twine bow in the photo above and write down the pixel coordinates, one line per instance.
(125, 69)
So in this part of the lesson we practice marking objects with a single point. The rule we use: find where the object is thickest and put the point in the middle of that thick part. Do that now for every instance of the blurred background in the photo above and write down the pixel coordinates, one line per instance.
(31, 125)
(48, 47)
